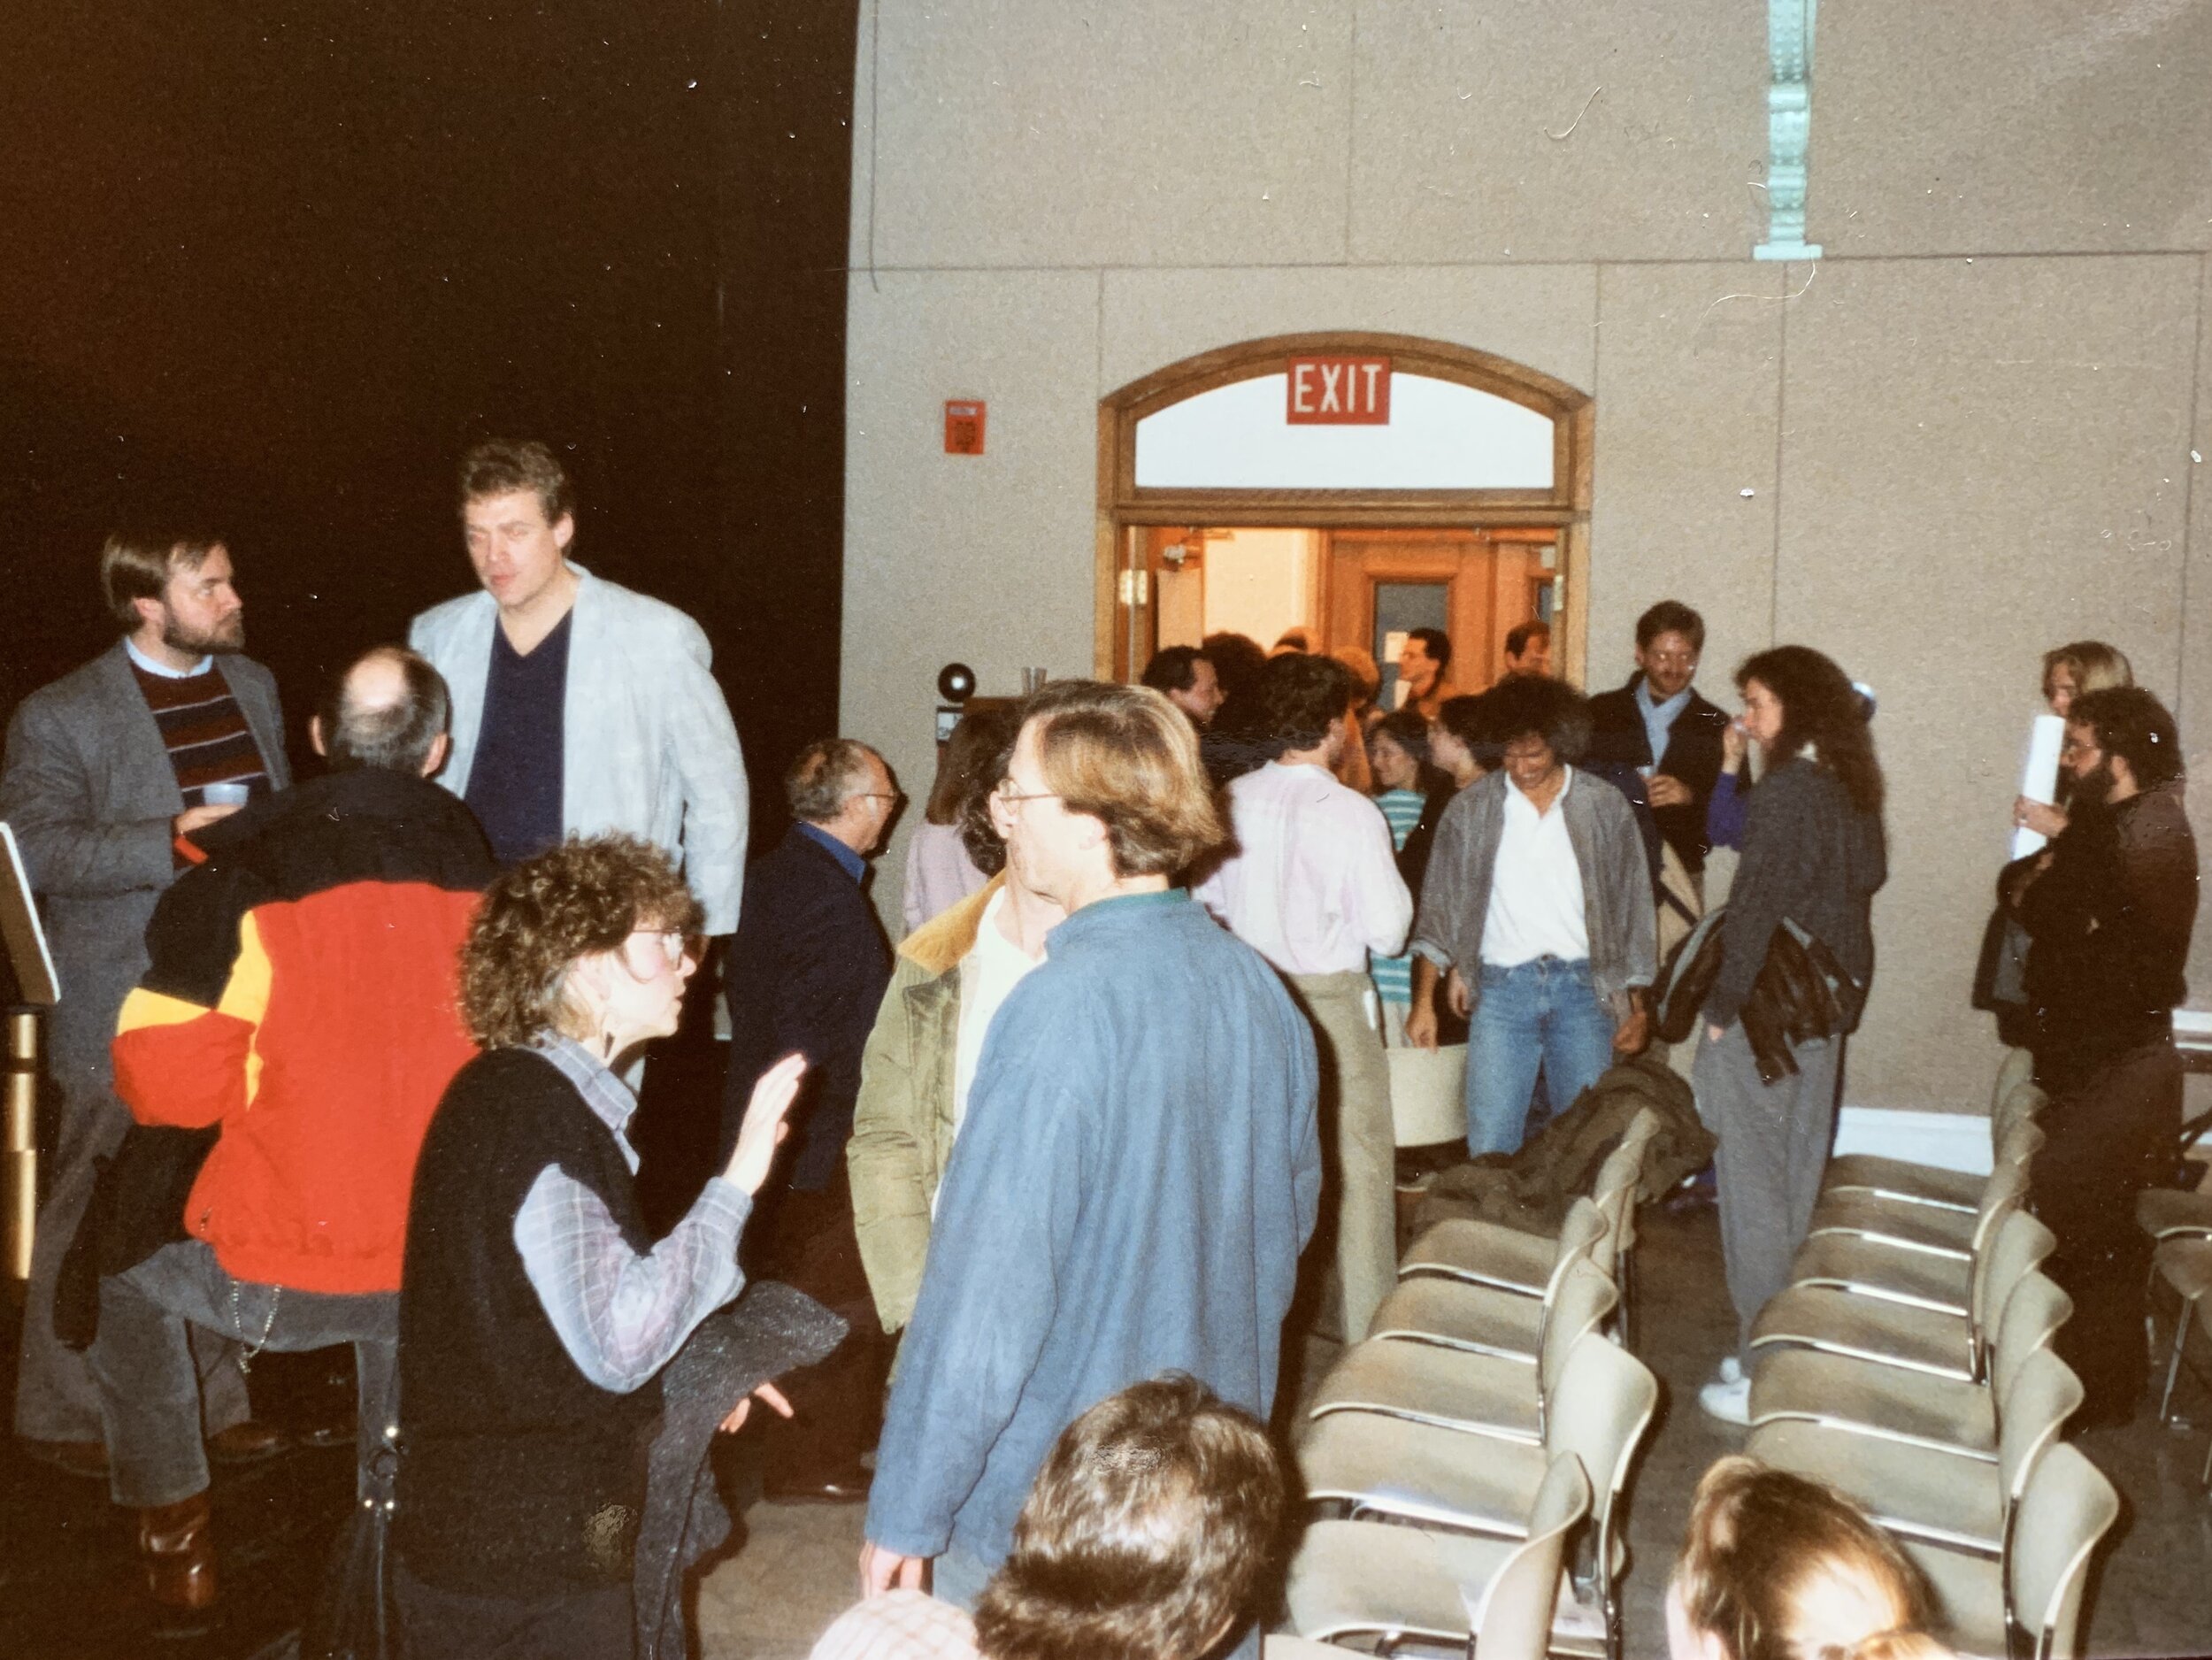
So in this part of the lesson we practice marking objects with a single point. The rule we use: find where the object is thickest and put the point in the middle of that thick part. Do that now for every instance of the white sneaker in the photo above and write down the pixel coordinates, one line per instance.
(1730, 1369)
(1727, 1399)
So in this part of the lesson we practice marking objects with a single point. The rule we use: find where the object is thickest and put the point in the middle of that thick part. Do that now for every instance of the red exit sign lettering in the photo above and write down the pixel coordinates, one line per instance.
(1339, 392)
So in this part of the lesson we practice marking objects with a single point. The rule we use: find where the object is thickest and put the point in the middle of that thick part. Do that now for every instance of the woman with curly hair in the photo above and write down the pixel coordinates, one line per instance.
(1813, 856)
(536, 1310)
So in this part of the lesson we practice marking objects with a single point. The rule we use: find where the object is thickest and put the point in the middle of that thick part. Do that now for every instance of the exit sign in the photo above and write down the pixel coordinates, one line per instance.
(1339, 392)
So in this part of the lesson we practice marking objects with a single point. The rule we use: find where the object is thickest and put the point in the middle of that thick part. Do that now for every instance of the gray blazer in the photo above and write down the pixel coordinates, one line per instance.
(1616, 903)
(88, 786)
(650, 748)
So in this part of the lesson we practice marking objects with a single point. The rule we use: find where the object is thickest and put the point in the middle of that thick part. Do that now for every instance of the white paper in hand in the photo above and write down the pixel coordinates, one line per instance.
(2038, 778)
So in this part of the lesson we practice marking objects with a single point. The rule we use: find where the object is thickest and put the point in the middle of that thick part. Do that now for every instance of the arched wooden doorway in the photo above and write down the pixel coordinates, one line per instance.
(1379, 520)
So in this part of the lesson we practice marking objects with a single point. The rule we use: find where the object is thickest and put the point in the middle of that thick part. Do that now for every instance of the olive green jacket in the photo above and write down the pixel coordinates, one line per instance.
(902, 1123)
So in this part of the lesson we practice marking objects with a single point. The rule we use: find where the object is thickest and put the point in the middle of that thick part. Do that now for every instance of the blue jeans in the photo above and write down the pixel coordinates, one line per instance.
(150, 1394)
(1545, 1013)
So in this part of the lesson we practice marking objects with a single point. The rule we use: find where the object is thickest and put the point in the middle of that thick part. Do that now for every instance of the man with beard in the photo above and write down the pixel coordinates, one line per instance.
(108, 771)
(2108, 908)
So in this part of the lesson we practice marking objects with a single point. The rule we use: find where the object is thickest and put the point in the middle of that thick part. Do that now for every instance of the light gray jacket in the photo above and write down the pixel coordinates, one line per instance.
(89, 791)
(1618, 907)
(650, 748)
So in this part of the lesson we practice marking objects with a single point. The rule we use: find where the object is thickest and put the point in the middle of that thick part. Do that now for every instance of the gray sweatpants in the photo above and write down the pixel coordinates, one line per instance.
(1774, 1142)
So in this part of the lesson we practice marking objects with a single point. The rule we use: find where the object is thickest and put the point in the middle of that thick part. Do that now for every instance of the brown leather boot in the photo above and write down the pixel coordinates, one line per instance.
(176, 1548)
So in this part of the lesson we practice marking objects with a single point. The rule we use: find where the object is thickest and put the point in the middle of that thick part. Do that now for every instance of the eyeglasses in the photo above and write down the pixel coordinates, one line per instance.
(674, 947)
(1013, 797)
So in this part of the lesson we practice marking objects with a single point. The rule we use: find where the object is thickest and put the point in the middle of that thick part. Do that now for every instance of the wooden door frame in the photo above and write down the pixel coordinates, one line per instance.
(1123, 504)
(1419, 564)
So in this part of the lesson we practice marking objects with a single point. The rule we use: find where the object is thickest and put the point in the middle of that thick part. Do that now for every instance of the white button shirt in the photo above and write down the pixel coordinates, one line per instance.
(1535, 887)
(1314, 886)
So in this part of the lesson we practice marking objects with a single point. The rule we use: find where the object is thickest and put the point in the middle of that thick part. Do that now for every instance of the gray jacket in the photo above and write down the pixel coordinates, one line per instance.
(1616, 902)
(650, 748)
(90, 792)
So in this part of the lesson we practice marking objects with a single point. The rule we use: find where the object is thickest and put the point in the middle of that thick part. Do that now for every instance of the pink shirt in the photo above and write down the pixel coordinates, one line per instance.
(1314, 886)
(939, 873)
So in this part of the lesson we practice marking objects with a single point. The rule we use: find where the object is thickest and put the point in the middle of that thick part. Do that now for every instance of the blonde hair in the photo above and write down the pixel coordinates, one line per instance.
(1129, 758)
(1759, 1543)
(2097, 667)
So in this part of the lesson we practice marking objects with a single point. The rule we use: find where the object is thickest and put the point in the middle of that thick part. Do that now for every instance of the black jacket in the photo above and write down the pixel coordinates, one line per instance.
(806, 970)
(1617, 738)
(2108, 927)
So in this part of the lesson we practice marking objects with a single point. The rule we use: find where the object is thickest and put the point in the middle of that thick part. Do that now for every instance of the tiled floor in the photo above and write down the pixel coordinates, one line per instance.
(64, 1555)
(2152, 1597)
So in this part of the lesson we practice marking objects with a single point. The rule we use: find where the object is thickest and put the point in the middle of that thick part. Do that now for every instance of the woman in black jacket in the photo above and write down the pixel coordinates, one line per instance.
(1812, 857)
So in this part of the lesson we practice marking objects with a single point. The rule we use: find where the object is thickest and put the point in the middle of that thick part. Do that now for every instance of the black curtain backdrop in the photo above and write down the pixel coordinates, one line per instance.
(269, 267)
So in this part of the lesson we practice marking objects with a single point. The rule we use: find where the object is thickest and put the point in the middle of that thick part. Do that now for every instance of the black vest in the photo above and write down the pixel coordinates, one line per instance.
(517, 1475)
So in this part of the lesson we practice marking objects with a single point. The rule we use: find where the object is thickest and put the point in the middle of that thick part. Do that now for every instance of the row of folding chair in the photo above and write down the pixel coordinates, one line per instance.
(1910, 1365)
(1487, 1418)
(2014, 1102)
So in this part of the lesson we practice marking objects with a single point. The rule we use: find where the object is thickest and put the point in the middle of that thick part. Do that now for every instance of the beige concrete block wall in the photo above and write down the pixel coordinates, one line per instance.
(983, 559)
(1688, 409)
(2012, 126)
(1978, 461)
(1954, 462)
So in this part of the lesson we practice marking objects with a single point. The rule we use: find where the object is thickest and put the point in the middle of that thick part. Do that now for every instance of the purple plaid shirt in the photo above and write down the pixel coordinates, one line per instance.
(621, 1316)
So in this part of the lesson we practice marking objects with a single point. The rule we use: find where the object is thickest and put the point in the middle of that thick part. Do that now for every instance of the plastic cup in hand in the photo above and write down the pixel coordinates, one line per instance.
(223, 795)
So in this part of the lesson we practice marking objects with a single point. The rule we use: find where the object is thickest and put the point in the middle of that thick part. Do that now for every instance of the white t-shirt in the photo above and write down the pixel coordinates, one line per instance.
(992, 968)
(1536, 887)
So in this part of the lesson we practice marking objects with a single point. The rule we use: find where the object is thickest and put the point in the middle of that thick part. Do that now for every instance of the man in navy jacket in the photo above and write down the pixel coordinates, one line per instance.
(806, 970)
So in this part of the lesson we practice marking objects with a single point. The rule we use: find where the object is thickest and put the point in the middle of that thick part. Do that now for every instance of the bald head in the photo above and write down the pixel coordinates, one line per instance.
(387, 709)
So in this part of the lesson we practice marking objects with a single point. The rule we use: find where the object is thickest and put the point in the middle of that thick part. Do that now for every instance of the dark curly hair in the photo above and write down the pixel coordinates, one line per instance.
(1151, 1529)
(1534, 706)
(1298, 698)
(1821, 711)
(587, 895)
(1464, 718)
(2133, 724)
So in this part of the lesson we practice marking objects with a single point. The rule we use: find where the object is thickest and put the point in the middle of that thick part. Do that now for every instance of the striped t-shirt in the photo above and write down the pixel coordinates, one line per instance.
(205, 731)
(1394, 975)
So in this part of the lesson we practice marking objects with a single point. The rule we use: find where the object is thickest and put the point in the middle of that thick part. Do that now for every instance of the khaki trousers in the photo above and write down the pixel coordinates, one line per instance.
(1359, 1152)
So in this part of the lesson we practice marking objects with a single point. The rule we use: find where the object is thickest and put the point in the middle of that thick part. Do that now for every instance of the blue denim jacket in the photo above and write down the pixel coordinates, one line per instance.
(1137, 1172)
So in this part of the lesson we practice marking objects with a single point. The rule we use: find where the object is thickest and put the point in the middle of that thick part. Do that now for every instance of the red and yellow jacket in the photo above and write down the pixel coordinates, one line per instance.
(303, 995)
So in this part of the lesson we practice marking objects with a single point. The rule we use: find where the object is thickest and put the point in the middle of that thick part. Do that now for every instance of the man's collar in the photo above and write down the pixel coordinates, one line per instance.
(1660, 705)
(1566, 779)
(854, 865)
(163, 669)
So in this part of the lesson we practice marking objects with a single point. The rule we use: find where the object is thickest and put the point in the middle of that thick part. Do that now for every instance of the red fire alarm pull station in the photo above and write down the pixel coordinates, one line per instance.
(1339, 392)
(963, 426)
